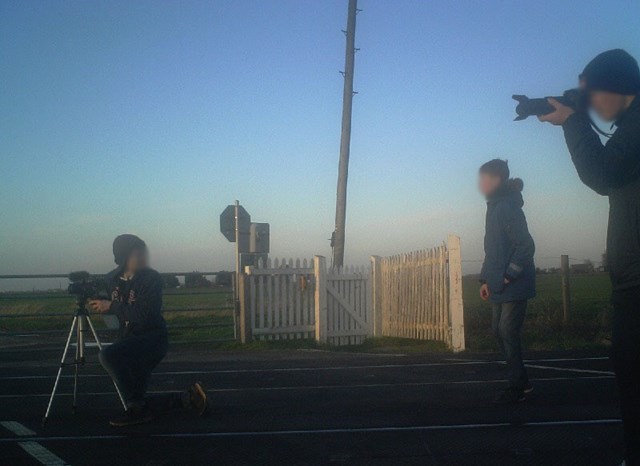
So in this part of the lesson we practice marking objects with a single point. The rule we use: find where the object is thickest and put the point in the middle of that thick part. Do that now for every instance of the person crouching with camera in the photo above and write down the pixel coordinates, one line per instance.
(136, 299)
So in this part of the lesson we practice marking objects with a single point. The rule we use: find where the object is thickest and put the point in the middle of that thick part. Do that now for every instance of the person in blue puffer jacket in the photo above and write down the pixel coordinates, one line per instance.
(508, 277)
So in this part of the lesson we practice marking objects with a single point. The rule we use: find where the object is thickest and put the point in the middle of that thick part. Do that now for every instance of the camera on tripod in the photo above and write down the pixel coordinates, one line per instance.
(84, 286)
(577, 99)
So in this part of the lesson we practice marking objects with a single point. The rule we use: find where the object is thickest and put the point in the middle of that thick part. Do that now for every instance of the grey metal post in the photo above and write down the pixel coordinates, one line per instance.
(236, 282)
(345, 140)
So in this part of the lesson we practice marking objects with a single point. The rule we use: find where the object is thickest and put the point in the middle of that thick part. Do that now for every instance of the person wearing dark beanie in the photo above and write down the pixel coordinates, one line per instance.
(612, 71)
(612, 82)
(124, 245)
(136, 299)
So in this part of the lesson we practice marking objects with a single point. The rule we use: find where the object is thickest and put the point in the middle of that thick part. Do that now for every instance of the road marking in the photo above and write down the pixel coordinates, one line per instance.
(569, 369)
(41, 454)
(598, 358)
(458, 362)
(330, 387)
(394, 429)
(601, 358)
(356, 353)
(346, 430)
(19, 429)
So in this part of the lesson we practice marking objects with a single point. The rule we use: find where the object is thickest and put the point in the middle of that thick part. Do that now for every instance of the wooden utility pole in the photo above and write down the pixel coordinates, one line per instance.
(345, 139)
(566, 289)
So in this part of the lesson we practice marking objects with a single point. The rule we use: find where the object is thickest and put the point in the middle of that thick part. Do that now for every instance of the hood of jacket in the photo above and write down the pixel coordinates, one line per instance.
(510, 191)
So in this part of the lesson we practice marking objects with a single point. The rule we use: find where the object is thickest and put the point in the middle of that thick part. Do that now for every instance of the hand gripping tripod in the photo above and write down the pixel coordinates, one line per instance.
(81, 321)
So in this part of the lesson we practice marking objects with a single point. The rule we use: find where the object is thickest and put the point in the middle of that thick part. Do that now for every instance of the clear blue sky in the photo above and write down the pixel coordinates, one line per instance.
(150, 117)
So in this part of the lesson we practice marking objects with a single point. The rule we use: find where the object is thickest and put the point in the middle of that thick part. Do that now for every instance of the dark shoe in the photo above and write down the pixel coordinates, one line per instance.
(509, 396)
(132, 417)
(528, 388)
(198, 398)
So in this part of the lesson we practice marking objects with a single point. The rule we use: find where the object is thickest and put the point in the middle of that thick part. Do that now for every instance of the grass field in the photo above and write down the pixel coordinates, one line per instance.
(52, 312)
(588, 326)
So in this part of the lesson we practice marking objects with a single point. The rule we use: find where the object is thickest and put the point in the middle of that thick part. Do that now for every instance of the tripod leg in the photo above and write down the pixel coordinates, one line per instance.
(95, 336)
(77, 362)
(64, 357)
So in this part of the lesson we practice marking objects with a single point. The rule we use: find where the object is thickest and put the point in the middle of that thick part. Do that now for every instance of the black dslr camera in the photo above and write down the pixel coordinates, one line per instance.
(84, 286)
(575, 98)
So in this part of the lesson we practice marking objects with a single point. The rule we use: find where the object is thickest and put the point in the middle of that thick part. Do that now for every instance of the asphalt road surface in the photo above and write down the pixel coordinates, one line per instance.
(303, 407)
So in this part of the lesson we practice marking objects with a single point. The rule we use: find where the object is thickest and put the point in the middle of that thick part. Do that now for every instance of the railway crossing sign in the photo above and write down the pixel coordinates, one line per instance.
(228, 222)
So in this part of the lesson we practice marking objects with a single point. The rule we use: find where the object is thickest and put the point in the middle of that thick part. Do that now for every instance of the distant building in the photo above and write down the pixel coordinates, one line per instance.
(582, 268)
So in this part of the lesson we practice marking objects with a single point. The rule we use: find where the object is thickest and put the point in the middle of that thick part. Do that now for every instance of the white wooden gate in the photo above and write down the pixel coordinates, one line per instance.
(349, 311)
(300, 299)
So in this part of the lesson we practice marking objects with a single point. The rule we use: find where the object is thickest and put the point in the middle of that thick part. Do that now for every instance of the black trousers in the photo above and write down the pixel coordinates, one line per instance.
(507, 327)
(626, 362)
(130, 361)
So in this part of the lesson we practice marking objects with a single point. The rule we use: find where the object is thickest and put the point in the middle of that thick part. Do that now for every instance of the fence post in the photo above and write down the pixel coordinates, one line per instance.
(245, 320)
(566, 288)
(320, 271)
(456, 306)
(375, 296)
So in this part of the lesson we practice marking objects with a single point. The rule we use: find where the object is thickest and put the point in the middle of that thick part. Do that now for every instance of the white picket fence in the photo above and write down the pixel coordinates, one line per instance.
(415, 295)
(287, 299)
(279, 300)
(419, 295)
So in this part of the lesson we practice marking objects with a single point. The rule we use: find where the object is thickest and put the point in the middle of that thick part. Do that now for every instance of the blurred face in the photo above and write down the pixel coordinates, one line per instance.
(607, 105)
(139, 259)
(487, 183)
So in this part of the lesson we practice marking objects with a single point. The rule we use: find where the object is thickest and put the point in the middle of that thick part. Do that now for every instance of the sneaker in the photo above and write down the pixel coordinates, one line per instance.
(198, 398)
(509, 396)
(132, 417)
(528, 388)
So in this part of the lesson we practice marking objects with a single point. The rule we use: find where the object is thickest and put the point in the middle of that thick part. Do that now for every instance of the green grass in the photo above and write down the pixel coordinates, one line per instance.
(217, 301)
(588, 326)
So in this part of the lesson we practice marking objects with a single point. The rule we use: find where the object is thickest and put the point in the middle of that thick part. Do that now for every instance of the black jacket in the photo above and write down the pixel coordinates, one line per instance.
(613, 170)
(508, 246)
(137, 302)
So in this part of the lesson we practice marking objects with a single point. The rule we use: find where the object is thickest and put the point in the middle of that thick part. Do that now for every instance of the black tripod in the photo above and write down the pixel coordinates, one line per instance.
(81, 321)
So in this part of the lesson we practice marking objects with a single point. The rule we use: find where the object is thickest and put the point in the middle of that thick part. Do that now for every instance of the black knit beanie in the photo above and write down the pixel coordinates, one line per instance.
(124, 245)
(613, 71)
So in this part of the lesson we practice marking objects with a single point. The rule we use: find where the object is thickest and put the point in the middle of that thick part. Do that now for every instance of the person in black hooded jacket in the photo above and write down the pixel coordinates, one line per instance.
(612, 83)
(136, 299)
(508, 273)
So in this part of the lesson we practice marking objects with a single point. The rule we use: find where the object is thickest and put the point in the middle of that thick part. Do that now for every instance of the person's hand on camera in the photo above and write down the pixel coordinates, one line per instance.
(559, 116)
(100, 305)
(484, 292)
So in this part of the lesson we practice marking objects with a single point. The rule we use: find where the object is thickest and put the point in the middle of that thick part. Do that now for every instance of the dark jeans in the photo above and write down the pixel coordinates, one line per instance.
(507, 325)
(626, 362)
(129, 362)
